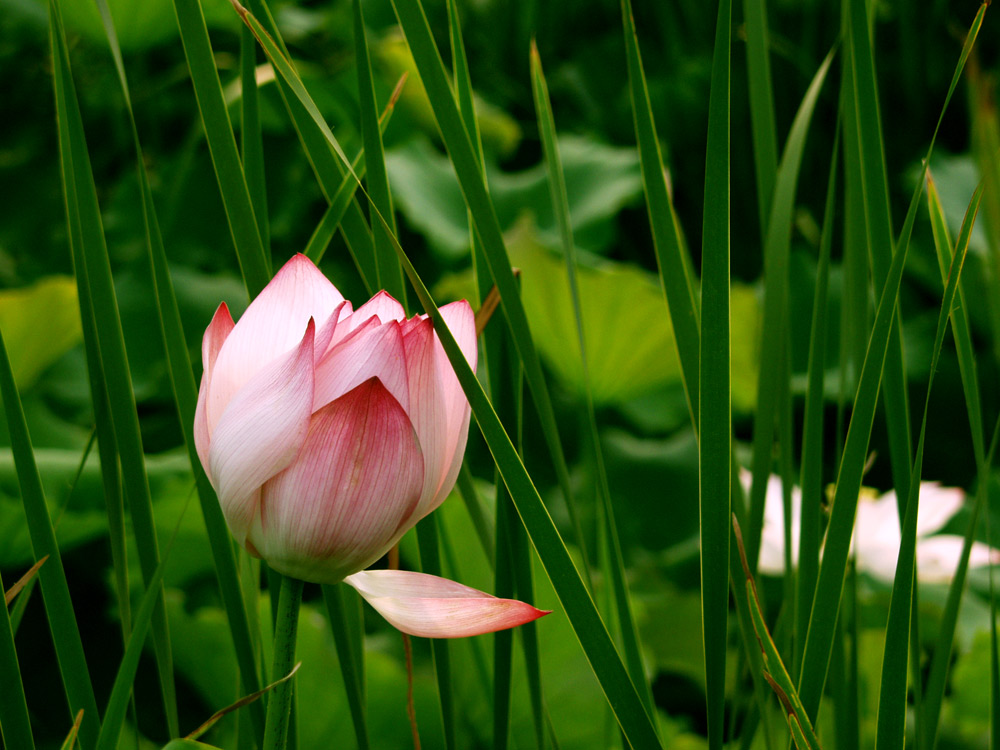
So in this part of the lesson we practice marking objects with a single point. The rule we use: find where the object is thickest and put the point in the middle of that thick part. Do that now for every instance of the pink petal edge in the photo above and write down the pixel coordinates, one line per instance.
(261, 432)
(432, 607)
(215, 336)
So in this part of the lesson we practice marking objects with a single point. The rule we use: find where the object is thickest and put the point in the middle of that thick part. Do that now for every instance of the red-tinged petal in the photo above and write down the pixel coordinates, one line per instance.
(327, 331)
(462, 324)
(373, 350)
(432, 607)
(261, 432)
(439, 408)
(271, 326)
(348, 495)
(428, 409)
(215, 336)
(384, 307)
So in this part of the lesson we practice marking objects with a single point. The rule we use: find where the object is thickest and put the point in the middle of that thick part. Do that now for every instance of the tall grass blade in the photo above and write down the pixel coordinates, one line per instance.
(892, 695)
(773, 350)
(811, 477)
(222, 146)
(251, 138)
(92, 264)
(389, 275)
(763, 129)
(875, 198)
(463, 155)
(350, 653)
(560, 204)
(715, 394)
(342, 200)
(118, 703)
(830, 583)
(186, 396)
(52, 577)
(934, 693)
(671, 256)
(598, 647)
(326, 164)
(14, 717)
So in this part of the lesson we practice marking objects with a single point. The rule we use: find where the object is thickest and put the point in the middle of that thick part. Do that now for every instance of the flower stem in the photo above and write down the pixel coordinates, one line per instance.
(285, 627)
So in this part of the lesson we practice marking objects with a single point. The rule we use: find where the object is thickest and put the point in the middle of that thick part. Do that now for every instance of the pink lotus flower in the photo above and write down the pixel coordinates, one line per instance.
(328, 433)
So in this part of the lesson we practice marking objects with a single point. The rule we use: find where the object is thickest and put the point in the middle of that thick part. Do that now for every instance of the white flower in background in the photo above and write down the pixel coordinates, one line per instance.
(877, 535)
(772, 538)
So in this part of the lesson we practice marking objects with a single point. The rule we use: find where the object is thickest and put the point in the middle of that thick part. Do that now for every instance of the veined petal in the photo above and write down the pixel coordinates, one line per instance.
(428, 408)
(344, 500)
(372, 350)
(938, 556)
(383, 306)
(271, 326)
(432, 607)
(215, 336)
(261, 432)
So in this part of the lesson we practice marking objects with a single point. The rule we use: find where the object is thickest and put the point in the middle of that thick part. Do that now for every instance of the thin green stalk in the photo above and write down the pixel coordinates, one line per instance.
(892, 695)
(389, 275)
(715, 394)
(229, 172)
(13, 707)
(285, 628)
(430, 562)
(186, 395)
(251, 138)
(463, 155)
(52, 576)
(350, 652)
(92, 266)
(560, 204)
(811, 478)
(765, 134)
(777, 250)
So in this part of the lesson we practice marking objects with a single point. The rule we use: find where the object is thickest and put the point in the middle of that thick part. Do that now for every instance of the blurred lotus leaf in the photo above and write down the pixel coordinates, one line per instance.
(600, 180)
(500, 132)
(40, 323)
(630, 341)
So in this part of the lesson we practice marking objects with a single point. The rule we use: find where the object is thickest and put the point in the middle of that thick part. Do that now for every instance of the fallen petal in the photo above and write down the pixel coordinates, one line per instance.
(432, 607)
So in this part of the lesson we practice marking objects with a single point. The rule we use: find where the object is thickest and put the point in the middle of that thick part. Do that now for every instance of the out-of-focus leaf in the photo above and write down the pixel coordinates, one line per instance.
(139, 25)
(600, 180)
(622, 319)
(500, 132)
(49, 303)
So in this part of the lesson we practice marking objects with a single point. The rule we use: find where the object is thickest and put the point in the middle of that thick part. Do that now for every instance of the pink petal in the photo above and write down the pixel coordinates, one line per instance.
(348, 495)
(326, 332)
(384, 307)
(271, 326)
(372, 350)
(432, 607)
(261, 432)
(438, 407)
(215, 336)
